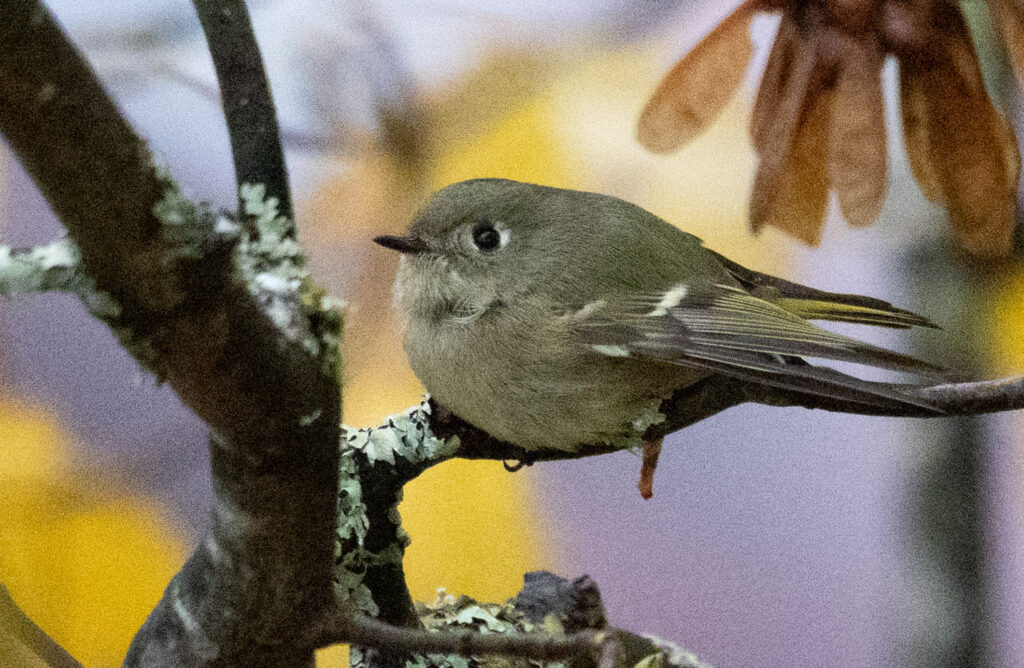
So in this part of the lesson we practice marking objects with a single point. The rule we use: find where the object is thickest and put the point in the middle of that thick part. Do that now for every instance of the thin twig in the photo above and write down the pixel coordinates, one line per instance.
(363, 630)
(605, 648)
(22, 627)
(245, 97)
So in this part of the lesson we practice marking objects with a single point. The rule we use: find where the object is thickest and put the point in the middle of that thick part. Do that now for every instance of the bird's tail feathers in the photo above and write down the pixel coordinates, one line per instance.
(809, 379)
(812, 304)
(838, 309)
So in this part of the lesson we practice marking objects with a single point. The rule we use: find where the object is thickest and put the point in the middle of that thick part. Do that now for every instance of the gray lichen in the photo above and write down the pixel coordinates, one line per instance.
(267, 259)
(185, 226)
(273, 266)
(448, 613)
(56, 267)
(405, 435)
(53, 267)
(351, 558)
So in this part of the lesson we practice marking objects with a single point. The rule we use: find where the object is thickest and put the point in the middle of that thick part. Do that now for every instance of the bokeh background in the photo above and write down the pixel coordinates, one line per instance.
(776, 537)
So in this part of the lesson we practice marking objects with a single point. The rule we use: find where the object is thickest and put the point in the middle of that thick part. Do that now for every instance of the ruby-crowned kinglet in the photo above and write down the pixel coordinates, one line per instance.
(552, 318)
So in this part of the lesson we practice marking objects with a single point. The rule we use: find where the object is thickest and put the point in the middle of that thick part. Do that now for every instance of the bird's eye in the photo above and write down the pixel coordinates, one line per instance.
(487, 238)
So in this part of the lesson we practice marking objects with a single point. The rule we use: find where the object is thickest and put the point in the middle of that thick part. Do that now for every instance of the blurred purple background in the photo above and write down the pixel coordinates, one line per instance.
(776, 537)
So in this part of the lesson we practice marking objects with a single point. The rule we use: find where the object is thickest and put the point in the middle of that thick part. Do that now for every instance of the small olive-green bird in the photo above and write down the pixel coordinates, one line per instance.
(552, 318)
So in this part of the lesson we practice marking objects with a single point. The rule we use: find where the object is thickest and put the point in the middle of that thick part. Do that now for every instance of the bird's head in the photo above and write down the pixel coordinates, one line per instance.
(475, 246)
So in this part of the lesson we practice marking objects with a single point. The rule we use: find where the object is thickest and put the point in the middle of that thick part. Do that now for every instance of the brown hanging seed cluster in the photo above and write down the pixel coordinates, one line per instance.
(818, 122)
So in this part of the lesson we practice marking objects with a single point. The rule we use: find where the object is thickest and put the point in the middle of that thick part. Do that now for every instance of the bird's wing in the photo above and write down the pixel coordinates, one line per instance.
(812, 304)
(724, 329)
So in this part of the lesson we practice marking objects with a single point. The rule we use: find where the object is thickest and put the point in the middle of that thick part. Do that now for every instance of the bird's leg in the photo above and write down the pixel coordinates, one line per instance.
(651, 450)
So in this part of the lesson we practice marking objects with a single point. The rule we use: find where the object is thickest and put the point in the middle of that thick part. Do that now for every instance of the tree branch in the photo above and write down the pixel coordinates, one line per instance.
(92, 168)
(231, 321)
(18, 625)
(246, 99)
(717, 393)
(429, 434)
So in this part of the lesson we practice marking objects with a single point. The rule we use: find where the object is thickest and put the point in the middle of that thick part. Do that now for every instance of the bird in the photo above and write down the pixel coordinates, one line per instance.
(553, 318)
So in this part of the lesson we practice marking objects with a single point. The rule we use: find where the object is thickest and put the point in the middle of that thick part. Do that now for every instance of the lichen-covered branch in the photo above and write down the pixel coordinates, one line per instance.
(429, 434)
(375, 464)
(551, 620)
(263, 572)
(246, 99)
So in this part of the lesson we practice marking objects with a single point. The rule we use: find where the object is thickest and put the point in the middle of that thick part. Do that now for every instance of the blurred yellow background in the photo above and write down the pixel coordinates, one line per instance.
(84, 557)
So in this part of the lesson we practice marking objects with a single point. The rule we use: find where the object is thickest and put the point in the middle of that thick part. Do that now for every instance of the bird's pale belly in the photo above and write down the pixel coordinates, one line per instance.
(520, 387)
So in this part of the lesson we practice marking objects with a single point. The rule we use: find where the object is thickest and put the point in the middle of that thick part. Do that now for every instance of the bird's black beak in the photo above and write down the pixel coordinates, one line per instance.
(408, 245)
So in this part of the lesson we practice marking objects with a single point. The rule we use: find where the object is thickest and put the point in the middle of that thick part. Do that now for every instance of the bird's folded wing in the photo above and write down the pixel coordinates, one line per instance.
(724, 329)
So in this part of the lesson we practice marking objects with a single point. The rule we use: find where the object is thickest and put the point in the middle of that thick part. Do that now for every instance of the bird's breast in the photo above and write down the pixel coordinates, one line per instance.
(519, 374)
